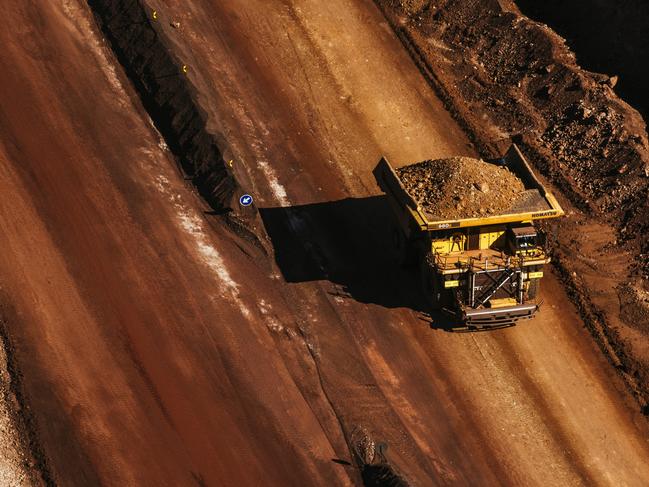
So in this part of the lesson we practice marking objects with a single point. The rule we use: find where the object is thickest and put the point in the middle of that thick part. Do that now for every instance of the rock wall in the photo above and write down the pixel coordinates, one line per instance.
(168, 95)
(608, 36)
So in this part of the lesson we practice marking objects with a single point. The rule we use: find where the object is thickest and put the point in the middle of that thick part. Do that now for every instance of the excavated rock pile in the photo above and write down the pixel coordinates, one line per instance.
(461, 187)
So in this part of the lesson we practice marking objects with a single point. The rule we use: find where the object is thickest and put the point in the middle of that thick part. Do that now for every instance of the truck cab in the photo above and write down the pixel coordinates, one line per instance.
(522, 240)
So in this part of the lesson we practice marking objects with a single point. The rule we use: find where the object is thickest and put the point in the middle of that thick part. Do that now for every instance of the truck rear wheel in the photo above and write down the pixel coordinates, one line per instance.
(430, 283)
(533, 290)
(403, 252)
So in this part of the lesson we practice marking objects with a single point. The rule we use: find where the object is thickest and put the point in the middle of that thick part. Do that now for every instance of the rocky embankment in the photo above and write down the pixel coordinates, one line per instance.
(509, 77)
(608, 36)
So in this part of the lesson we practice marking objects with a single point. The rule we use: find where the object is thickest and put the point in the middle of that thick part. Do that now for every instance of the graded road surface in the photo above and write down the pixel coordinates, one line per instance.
(157, 348)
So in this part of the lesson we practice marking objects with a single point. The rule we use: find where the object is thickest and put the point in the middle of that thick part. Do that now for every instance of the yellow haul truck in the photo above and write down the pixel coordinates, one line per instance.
(484, 271)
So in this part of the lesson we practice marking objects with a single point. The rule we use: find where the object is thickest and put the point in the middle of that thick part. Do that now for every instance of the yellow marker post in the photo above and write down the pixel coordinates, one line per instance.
(185, 68)
(230, 162)
(154, 15)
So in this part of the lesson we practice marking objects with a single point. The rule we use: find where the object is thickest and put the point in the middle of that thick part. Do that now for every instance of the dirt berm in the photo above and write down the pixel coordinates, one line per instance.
(168, 95)
(608, 36)
(506, 77)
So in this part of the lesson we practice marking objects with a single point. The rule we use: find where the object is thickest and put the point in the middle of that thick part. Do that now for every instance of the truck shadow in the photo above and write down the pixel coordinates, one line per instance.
(346, 242)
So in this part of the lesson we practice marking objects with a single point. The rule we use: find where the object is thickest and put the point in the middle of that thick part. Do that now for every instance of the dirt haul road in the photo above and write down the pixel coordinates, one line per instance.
(159, 349)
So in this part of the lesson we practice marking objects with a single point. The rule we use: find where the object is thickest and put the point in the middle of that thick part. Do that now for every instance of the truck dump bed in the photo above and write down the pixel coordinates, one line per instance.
(534, 203)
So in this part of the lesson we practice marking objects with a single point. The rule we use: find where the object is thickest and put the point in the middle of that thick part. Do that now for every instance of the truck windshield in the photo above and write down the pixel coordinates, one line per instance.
(526, 242)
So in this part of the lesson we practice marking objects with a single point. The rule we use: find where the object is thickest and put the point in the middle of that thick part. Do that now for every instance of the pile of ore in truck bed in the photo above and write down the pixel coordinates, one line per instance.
(462, 187)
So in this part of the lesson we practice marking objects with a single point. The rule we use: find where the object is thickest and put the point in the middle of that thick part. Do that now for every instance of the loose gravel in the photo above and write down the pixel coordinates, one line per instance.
(461, 187)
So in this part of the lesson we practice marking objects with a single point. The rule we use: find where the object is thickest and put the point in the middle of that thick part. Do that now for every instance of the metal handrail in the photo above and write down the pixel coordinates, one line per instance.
(446, 261)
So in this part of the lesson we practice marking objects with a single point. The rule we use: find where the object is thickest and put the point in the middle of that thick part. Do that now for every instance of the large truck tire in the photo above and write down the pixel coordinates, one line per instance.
(430, 286)
(533, 289)
(403, 251)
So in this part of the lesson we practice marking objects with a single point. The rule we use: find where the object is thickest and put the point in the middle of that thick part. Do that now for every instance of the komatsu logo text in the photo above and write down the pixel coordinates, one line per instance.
(544, 213)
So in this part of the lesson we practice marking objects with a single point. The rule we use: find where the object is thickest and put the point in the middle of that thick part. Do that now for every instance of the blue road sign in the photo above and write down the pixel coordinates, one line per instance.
(245, 200)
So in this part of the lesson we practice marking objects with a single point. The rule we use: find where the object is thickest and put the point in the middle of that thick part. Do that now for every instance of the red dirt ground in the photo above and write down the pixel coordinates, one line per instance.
(157, 348)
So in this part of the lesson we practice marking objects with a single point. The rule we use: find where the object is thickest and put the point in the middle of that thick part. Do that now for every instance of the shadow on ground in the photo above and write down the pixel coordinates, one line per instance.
(348, 243)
